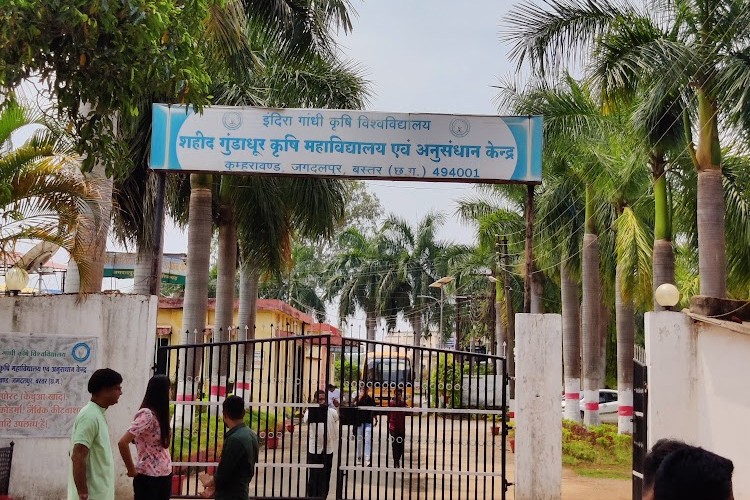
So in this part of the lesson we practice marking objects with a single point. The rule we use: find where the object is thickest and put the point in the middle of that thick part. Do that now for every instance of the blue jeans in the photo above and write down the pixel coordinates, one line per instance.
(364, 433)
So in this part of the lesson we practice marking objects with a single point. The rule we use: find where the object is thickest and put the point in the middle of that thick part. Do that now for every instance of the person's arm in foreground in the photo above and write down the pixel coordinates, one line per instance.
(124, 446)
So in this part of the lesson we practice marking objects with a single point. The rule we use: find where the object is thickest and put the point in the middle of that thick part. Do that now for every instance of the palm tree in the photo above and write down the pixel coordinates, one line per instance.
(355, 277)
(279, 211)
(234, 33)
(561, 216)
(42, 195)
(736, 168)
(572, 121)
(630, 210)
(300, 284)
(494, 216)
(312, 80)
(694, 48)
(414, 253)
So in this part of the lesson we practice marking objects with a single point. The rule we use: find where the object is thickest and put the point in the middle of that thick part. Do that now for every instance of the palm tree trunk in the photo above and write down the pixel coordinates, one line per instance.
(603, 325)
(95, 236)
(663, 254)
(195, 303)
(142, 273)
(591, 307)
(417, 326)
(590, 310)
(249, 279)
(371, 324)
(225, 284)
(712, 259)
(571, 344)
(624, 312)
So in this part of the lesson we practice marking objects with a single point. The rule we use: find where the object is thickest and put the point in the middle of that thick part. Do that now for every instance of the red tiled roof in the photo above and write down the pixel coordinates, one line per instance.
(327, 328)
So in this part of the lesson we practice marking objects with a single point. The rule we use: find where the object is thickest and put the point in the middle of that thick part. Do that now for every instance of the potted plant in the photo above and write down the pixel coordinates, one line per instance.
(496, 427)
(272, 440)
(289, 421)
(512, 438)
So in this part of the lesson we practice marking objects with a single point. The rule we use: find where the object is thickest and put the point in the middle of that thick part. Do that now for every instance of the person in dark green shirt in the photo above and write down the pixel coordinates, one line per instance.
(238, 457)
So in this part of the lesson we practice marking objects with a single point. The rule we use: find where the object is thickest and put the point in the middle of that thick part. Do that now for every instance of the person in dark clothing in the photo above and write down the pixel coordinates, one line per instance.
(366, 420)
(238, 457)
(694, 474)
(661, 450)
(397, 427)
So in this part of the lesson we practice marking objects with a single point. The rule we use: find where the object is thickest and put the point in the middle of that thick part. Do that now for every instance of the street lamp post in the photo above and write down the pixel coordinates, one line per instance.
(441, 284)
(439, 301)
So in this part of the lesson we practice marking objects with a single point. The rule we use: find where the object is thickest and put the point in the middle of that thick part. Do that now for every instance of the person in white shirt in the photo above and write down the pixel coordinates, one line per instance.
(323, 436)
(334, 396)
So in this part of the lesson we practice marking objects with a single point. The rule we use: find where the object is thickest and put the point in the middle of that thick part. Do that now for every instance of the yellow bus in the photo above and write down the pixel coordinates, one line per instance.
(385, 371)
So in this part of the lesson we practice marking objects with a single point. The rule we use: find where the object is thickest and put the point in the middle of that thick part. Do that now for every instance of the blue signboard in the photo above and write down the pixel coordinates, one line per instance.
(348, 144)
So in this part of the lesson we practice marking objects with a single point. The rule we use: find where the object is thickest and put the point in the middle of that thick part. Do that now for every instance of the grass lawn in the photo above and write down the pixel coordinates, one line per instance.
(207, 437)
(597, 451)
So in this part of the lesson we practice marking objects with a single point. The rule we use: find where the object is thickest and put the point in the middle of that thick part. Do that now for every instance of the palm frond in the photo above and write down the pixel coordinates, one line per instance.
(634, 256)
(561, 30)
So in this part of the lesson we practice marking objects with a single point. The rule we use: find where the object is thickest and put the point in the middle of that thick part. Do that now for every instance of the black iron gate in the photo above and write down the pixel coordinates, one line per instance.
(640, 409)
(455, 421)
(276, 377)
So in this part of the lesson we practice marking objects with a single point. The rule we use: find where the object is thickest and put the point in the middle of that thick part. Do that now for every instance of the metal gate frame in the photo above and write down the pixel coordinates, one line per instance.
(441, 404)
(452, 420)
(640, 414)
(276, 377)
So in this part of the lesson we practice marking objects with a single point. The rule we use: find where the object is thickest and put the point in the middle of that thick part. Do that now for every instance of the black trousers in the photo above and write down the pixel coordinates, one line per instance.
(397, 441)
(319, 480)
(152, 488)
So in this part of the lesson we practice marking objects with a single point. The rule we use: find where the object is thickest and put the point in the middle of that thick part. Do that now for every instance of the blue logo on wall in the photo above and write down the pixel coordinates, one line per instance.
(81, 352)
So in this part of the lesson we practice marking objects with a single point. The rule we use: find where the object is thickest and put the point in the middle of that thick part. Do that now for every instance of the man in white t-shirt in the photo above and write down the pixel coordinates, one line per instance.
(334, 396)
(323, 437)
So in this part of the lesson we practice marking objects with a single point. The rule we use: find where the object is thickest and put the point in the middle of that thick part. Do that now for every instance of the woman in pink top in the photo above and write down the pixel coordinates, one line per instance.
(150, 433)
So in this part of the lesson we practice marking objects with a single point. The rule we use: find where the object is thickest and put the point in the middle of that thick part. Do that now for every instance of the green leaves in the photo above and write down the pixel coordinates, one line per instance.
(101, 59)
(41, 195)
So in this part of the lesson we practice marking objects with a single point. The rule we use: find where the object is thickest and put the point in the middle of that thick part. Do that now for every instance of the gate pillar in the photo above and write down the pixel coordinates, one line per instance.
(538, 411)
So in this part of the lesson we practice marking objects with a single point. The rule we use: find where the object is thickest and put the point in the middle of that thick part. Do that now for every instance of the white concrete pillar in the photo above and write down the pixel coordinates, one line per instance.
(671, 351)
(538, 422)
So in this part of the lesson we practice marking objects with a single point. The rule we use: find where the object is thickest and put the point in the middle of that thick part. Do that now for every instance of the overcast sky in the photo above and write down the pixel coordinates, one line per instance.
(434, 56)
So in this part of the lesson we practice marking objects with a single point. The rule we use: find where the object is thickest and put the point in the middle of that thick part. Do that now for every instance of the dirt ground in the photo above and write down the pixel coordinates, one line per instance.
(575, 487)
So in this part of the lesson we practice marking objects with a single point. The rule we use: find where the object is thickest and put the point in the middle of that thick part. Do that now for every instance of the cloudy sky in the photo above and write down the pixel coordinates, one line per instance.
(434, 56)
